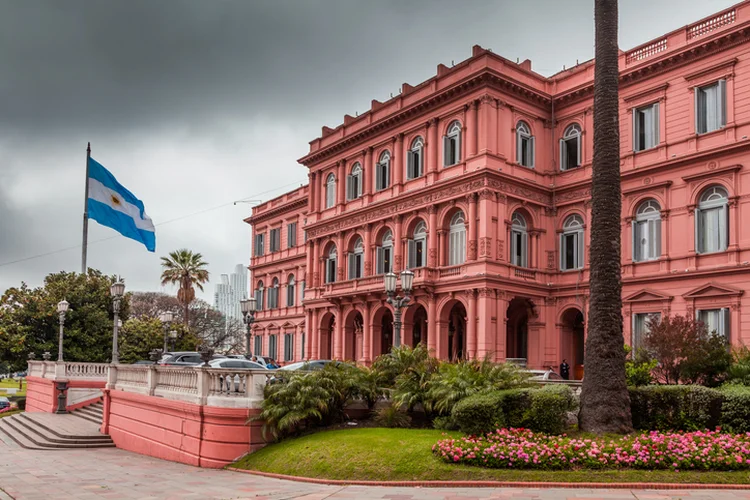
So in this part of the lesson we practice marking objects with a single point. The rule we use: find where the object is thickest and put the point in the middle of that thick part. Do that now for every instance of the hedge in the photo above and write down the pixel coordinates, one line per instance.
(675, 407)
(541, 410)
(735, 408)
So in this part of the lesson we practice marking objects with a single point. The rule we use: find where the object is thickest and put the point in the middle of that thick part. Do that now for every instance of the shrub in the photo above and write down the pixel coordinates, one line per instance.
(21, 404)
(413, 384)
(739, 370)
(549, 406)
(686, 352)
(392, 416)
(638, 367)
(675, 407)
(735, 409)
(445, 423)
(398, 361)
(480, 413)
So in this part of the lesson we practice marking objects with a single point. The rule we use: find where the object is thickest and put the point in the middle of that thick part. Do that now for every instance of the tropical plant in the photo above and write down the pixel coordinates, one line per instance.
(639, 367)
(188, 270)
(392, 416)
(413, 384)
(398, 361)
(292, 404)
(739, 371)
(605, 404)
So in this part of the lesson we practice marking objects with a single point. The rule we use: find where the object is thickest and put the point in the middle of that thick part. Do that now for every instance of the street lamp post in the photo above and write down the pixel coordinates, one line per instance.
(117, 290)
(166, 318)
(248, 317)
(62, 308)
(397, 301)
(173, 338)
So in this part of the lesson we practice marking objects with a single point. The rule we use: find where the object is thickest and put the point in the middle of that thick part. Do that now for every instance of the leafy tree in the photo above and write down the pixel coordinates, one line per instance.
(605, 403)
(739, 371)
(29, 320)
(638, 367)
(686, 352)
(140, 336)
(188, 270)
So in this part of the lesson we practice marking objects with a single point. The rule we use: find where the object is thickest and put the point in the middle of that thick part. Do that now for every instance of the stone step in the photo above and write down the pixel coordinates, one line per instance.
(90, 412)
(14, 439)
(48, 424)
(49, 435)
(94, 420)
(18, 431)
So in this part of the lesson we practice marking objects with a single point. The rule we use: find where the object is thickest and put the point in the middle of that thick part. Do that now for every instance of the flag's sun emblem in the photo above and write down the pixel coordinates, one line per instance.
(115, 200)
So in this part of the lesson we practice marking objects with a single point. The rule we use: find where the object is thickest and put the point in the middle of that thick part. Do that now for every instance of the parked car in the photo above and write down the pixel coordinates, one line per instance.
(144, 362)
(236, 364)
(311, 365)
(185, 358)
(4, 403)
(544, 375)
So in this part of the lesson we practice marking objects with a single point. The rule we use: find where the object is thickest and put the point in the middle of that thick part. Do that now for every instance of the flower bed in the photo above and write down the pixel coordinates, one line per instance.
(523, 449)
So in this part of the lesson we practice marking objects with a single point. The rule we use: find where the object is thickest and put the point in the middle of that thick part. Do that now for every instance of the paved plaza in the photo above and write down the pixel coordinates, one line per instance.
(114, 474)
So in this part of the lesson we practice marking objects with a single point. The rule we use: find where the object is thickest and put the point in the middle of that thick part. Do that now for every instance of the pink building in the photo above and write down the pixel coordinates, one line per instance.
(478, 180)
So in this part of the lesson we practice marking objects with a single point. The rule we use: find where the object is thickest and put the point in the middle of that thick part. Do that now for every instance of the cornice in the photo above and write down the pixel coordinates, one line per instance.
(646, 187)
(711, 173)
(275, 211)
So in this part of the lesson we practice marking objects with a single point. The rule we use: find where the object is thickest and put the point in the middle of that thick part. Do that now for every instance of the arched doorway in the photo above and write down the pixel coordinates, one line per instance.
(573, 341)
(517, 333)
(419, 327)
(457, 332)
(353, 336)
(327, 324)
(382, 334)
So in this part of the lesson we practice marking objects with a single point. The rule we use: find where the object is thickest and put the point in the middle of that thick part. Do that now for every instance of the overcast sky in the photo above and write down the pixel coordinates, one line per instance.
(193, 105)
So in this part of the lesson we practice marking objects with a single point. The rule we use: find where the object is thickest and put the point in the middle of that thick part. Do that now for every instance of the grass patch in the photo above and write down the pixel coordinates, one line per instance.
(9, 413)
(12, 384)
(378, 454)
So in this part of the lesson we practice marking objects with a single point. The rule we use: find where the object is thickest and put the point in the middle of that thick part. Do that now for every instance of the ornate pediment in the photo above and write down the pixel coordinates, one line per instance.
(288, 324)
(646, 295)
(713, 290)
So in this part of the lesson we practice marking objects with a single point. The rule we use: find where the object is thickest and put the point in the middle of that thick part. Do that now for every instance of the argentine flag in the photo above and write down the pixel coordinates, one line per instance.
(112, 205)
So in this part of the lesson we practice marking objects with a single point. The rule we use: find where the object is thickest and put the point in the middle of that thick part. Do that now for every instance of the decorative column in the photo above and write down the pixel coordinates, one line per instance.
(368, 252)
(472, 243)
(486, 214)
(397, 246)
(471, 324)
(441, 260)
(341, 184)
(432, 254)
(397, 162)
(340, 256)
(338, 333)
(366, 333)
(487, 323)
(471, 129)
(432, 150)
(315, 264)
(314, 335)
(487, 141)
(502, 325)
(432, 321)
(367, 175)
(313, 190)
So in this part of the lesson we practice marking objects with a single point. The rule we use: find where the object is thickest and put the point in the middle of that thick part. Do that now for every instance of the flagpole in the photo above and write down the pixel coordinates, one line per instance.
(86, 212)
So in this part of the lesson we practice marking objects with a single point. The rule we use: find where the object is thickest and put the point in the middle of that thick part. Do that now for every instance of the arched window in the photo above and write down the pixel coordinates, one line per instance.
(385, 254)
(418, 247)
(570, 148)
(357, 261)
(571, 244)
(647, 231)
(331, 266)
(259, 295)
(290, 291)
(524, 145)
(452, 144)
(415, 159)
(383, 171)
(519, 241)
(330, 191)
(712, 221)
(354, 182)
(273, 294)
(457, 240)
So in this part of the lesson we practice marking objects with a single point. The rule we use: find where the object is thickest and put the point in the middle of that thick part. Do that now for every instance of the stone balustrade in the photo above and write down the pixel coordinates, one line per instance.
(87, 371)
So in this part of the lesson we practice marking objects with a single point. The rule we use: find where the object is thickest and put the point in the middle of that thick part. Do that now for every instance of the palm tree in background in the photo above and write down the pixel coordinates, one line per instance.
(605, 402)
(187, 269)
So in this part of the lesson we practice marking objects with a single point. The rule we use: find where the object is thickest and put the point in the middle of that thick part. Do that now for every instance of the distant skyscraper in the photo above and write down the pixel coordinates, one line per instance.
(231, 290)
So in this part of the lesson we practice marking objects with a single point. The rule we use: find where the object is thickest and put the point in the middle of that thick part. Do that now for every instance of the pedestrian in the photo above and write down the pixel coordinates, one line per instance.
(565, 370)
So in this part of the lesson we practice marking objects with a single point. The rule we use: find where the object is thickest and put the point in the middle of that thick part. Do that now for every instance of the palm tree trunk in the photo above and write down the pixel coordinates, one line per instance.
(185, 316)
(605, 403)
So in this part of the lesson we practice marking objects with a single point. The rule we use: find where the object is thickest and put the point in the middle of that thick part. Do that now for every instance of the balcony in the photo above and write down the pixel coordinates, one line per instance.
(523, 273)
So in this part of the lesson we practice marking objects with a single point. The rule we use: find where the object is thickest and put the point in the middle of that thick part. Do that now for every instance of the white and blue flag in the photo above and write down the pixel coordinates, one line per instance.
(112, 205)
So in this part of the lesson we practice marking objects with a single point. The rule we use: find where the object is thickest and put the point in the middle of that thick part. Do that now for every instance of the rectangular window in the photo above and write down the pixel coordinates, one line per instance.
(716, 320)
(383, 260)
(330, 194)
(258, 346)
(457, 248)
(646, 127)
(570, 152)
(641, 327)
(275, 240)
(356, 266)
(450, 150)
(259, 299)
(273, 297)
(711, 229)
(383, 176)
(258, 247)
(291, 235)
(272, 351)
(330, 270)
(710, 107)
(288, 347)
(290, 295)
(302, 346)
(414, 164)
(518, 250)
(525, 148)
(353, 188)
(416, 254)
(646, 240)
(302, 291)
(571, 251)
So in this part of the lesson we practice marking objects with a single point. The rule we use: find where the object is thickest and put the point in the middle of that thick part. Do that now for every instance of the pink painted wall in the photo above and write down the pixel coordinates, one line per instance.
(182, 432)
(492, 299)
(41, 394)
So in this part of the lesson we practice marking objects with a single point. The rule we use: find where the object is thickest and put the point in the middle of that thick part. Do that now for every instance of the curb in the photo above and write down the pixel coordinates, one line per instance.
(498, 484)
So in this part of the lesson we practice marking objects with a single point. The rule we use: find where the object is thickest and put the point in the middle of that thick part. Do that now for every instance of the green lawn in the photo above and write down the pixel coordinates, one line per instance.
(9, 413)
(406, 455)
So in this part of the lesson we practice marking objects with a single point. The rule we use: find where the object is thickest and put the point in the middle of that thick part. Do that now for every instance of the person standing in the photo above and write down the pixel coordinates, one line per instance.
(565, 369)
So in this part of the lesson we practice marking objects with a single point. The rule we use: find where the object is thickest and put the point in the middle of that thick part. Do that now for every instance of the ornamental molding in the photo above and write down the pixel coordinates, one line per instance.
(712, 171)
(276, 211)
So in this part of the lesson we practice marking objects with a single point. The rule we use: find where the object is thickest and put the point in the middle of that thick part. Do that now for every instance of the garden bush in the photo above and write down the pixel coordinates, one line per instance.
(675, 407)
(21, 404)
(392, 416)
(739, 370)
(543, 409)
(735, 409)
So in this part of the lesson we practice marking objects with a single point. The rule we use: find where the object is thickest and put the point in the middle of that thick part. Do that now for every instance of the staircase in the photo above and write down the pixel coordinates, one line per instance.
(92, 413)
(47, 431)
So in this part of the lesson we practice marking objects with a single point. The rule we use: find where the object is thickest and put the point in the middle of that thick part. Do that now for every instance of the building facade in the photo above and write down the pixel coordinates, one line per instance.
(232, 289)
(479, 181)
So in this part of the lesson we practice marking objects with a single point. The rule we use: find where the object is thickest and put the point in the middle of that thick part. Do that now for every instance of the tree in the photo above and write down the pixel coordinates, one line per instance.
(687, 352)
(140, 336)
(605, 402)
(29, 320)
(187, 269)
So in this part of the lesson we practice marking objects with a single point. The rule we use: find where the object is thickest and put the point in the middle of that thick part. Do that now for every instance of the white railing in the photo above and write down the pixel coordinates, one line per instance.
(36, 369)
(133, 376)
(177, 379)
(88, 371)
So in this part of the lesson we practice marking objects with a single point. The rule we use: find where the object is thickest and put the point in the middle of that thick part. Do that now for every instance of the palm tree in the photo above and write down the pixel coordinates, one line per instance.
(605, 403)
(185, 268)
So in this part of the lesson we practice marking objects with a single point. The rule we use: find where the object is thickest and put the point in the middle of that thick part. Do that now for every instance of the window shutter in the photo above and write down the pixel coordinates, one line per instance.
(447, 151)
(655, 124)
(579, 259)
(699, 232)
(636, 241)
(723, 228)
(722, 103)
(302, 347)
(579, 146)
(352, 265)
(412, 254)
(633, 333)
(563, 156)
(726, 323)
(636, 146)
(387, 168)
(410, 165)
(457, 145)
(562, 251)
(302, 291)
(532, 151)
(513, 244)
(524, 250)
(519, 148)
(657, 238)
(700, 116)
(379, 258)
(348, 187)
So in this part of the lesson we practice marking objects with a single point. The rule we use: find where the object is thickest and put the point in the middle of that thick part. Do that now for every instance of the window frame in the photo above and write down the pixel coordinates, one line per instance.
(639, 327)
(457, 239)
(288, 347)
(260, 296)
(273, 294)
(724, 321)
(452, 144)
(384, 254)
(356, 261)
(701, 107)
(274, 240)
(419, 238)
(354, 183)
(291, 235)
(519, 231)
(290, 291)
(572, 131)
(258, 347)
(653, 110)
(330, 191)
(648, 216)
(415, 159)
(525, 145)
(273, 346)
(573, 228)
(259, 246)
(383, 171)
(331, 266)
(721, 205)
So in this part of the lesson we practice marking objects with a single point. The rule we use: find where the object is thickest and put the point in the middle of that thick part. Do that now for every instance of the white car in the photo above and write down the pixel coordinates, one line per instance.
(544, 375)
